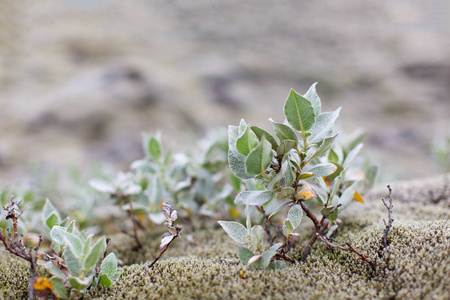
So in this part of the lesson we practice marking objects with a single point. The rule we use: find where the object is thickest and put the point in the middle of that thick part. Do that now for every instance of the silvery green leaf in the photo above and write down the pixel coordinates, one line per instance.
(261, 132)
(312, 96)
(336, 186)
(71, 226)
(299, 112)
(57, 233)
(50, 215)
(95, 253)
(324, 169)
(324, 146)
(80, 284)
(294, 216)
(102, 186)
(324, 126)
(87, 245)
(347, 196)
(71, 260)
(132, 189)
(54, 270)
(109, 265)
(257, 236)
(257, 198)
(236, 162)
(236, 231)
(285, 146)
(284, 132)
(59, 289)
(267, 255)
(244, 254)
(246, 141)
(259, 159)
(74, 242)
(288, 172)
(280, 207)
(352, 154)
(157, 218)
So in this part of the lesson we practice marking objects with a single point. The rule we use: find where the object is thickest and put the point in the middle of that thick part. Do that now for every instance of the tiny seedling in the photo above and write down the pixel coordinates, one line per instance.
(171, 215)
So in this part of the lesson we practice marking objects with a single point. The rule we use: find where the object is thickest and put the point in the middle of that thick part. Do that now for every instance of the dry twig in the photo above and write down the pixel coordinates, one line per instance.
(389, 222)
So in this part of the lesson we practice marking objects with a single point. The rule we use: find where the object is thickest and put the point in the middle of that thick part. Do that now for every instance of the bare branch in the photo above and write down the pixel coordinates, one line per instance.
(389, 222)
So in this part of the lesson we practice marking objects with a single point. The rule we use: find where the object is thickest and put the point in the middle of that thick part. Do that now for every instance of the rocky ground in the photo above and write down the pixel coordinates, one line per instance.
(80, 80)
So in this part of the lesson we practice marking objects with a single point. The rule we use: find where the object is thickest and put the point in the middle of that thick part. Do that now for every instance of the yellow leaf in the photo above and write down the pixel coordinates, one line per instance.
(42, 284)
(234, 212)
(305, 193)
(357, 196)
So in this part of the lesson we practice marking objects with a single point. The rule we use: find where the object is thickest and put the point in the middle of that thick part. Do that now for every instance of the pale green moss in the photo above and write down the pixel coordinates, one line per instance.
(418, 266)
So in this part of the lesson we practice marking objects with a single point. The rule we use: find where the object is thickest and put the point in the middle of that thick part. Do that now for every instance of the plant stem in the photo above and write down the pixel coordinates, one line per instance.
(136, 236)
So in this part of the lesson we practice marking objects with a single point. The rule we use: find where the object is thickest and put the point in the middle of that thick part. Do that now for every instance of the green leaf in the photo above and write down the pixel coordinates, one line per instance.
(154, 148)
(102, 186)
(105, 280)
(294, 216)
(71, 260)
(337, 183)
(267, 255)
(52, 220)
(332, 156)
(74, 242)
(50, 215)
(260, 158)
(324, 126)
(246, 142)
(95, 254)
(236, 231)
(347, 196)
(286, 193)
(236, 160)
(324, 146)
(58, 288)
(244, 254)
(280, 207)
(285, 146)
(257, 198)
(80, 284)
(299, 112)
(331, 217)
(312, 96)
(261, 132)
(324, 169)
(54, 270)
(257, 236)
(57, 233)
(109, 265)
(284, 132)
(352, 154)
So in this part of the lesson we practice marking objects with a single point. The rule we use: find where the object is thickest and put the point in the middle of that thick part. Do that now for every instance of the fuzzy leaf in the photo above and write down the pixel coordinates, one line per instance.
(259, 159)
(58, 288)
(352, 154)
(280, 207)
(324, 126)
(324, 169)
(236, 231)
(285, 146)
(299, 112)
(312, 96)
(54, 270)
(109, 265)
(294, 215)
(236, 160)
(244, 254)
(102, 186)
(57, 233)
(284, 132)
(347, 196)
(324, 146)
(261, 132)
(80, 284)
(267, 255)
(71, 261)
(95, 254)
(254, 197)
(246, 142)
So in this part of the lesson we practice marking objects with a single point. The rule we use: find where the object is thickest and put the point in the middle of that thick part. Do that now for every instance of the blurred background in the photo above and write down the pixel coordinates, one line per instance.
(80, 80)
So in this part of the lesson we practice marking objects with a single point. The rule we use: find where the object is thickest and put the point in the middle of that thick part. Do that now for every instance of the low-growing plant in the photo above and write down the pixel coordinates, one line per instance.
(77, 262)
(291, 170)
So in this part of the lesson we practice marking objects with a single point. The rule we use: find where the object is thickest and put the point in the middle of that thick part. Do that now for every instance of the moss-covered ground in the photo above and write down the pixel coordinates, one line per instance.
(203, 264)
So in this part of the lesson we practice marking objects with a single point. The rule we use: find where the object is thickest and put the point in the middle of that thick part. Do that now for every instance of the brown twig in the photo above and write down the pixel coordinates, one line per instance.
(320, 226)
(390, 221)
(135, 235)
(161, 252)
(350, 248)
(266, 226)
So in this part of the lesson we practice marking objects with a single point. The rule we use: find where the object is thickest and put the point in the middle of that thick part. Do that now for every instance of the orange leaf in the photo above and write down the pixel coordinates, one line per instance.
(305, 193)
(42, 284)
(357, 196)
